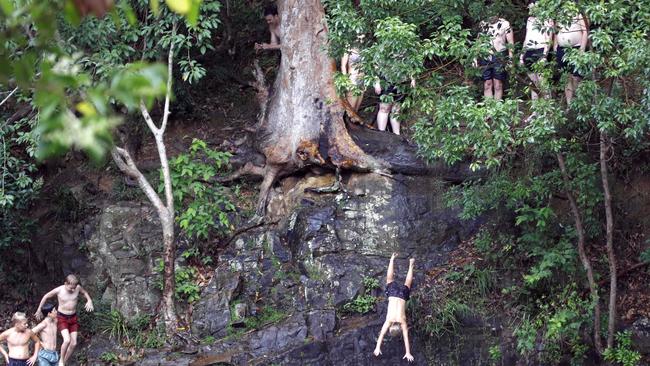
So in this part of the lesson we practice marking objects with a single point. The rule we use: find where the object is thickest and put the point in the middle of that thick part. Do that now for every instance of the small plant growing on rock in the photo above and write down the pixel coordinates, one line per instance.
(361, 304)
(186, 286)
(110, 358)
(623, 354)
(370, 283)
(365, 302)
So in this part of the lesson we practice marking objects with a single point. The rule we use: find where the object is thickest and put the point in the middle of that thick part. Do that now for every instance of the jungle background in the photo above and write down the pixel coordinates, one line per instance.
(530, 234)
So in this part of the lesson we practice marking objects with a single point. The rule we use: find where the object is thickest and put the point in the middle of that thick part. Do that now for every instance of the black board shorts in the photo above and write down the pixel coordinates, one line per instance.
(562, 64)
(493, 67)
(394, 289)
(531, 56)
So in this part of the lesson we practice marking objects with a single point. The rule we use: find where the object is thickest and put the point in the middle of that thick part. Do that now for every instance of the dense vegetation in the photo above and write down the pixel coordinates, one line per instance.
(67, 83)
(552, 170)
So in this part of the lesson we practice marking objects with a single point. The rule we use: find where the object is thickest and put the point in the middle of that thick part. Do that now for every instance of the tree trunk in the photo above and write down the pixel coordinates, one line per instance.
(168, 309)
(304, 123)
(165, 209)
(582, 253)
(611, 256)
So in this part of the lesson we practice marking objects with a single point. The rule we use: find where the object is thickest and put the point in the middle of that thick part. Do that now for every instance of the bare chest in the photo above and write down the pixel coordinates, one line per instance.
(17, 339)
(65, 297)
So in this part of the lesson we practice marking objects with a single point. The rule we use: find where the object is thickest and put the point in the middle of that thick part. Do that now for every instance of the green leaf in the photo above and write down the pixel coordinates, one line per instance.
(180, 6)
(7, 7)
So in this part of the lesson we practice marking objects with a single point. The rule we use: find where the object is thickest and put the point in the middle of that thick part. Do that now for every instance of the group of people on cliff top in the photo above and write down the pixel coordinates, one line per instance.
(60, 319)
(541, 38)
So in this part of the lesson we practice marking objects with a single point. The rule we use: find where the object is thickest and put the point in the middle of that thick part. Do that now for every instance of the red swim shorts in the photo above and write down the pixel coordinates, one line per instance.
(69, 322)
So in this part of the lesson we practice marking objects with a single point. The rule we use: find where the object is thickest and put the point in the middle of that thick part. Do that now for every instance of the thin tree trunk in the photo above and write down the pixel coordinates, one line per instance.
(165, 209)
(611, 256)
(582, 253)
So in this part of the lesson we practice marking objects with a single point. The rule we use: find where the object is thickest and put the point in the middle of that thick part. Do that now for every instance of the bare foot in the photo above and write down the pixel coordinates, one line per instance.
(411, 261)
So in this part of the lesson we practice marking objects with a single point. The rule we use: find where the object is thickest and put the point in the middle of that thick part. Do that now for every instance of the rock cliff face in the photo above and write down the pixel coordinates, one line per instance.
(315, 261)
(122, 252)
(303, 269)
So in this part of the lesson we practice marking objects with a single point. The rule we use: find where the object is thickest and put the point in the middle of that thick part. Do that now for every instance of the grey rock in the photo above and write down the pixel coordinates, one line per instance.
(123, 251)
(212, 312)
(321, 324)
(641, 335)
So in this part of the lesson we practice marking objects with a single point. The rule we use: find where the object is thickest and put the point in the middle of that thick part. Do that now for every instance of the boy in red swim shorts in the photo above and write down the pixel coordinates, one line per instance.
(67, 322)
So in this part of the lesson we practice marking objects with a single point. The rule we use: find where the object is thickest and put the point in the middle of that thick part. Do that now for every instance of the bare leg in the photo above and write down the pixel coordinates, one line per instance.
(64, 346)
(391, 269)
(382, 116)
(498, 89)
(409, 275)
(487, 89)
(71, 347)
(535, 79)
(394, 121)
(571, 86)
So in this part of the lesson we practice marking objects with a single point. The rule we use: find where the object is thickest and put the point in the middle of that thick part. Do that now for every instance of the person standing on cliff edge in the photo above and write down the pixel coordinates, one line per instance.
(396, 316)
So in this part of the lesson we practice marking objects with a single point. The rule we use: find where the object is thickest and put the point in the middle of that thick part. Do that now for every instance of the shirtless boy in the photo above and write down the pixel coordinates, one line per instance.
(539, 38)
(17, 339)
(273, 20)
(576, 36)
(494, 73)
(46, 330)
(396, 316)
(67, 296)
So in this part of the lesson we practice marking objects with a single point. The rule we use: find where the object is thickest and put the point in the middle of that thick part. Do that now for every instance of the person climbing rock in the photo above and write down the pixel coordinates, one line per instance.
(397, 295)
(273, 20)
(67, 320)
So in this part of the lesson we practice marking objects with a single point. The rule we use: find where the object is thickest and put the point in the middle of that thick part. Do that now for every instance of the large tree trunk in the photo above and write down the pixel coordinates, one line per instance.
(609, 219)
(582, 253)
(304, 120)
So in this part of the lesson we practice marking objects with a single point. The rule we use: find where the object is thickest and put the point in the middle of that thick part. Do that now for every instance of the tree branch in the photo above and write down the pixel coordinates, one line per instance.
(170, 58)
(9, 96)
(586, 263)
(125, 163)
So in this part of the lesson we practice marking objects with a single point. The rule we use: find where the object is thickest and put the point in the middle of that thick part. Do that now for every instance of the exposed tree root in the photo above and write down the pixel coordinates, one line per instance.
(335, 187)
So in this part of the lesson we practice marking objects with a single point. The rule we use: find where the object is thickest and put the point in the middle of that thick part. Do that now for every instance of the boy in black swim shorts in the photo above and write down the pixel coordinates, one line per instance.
(493, 67)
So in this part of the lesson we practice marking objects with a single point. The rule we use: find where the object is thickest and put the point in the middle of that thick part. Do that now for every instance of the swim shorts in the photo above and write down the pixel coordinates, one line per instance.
(493, 66)
(562, 64)
(69, 322)
(532, 56)
(394, 289)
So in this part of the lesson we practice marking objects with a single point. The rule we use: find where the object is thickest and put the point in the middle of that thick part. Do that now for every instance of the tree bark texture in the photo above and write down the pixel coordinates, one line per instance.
(609, 228)
(582, 253)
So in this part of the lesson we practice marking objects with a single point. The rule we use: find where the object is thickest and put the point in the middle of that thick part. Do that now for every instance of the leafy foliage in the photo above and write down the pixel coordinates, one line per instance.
(19, 184)
(365, 301)
(204, 204)
(187, 287)
(79, 69)
(623, 354)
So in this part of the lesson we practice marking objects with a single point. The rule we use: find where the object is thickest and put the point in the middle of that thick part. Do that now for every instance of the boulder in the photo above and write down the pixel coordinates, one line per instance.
(123, 250)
